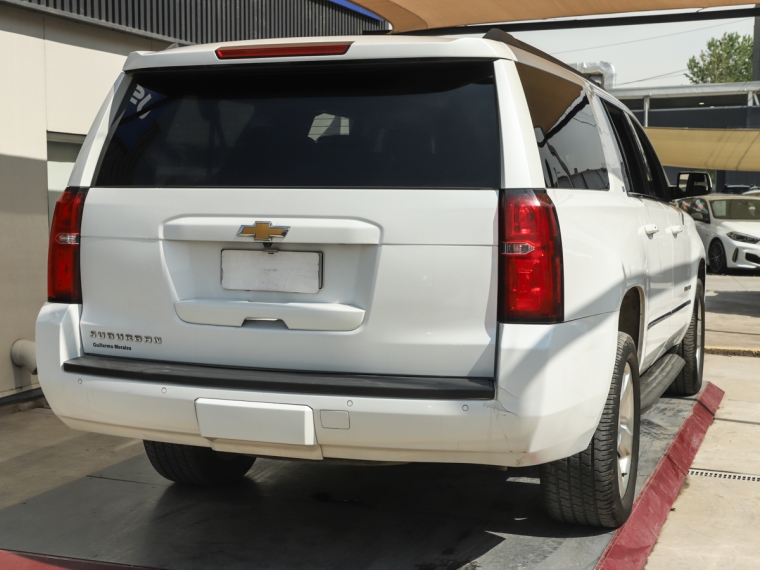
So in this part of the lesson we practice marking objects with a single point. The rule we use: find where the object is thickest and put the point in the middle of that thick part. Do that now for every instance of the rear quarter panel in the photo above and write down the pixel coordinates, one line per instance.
(604, 253)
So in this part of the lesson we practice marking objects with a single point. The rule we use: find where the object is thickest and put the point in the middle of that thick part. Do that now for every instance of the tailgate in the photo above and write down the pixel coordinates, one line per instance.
(324, 219)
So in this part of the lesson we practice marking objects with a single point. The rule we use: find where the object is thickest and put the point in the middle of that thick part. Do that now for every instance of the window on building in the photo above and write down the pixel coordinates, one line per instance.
(566, 131)
(62, 152)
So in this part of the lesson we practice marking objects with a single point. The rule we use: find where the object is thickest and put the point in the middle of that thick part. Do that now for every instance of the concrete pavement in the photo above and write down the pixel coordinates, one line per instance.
(38, 453)
(732, 303)
(715, 522)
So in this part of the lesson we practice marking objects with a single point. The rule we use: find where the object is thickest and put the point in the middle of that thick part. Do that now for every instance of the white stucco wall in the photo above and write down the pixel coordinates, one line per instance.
(54, 75)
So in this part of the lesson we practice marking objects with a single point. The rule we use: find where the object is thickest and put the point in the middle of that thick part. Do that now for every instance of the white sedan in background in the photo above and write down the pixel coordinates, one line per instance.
(729, 227)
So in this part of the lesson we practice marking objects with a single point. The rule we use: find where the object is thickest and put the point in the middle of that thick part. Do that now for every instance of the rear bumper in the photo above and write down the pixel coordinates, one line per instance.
(256, 380)
(552, 384)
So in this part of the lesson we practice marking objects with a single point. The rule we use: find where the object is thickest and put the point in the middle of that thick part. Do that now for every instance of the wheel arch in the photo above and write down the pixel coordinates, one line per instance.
(712, 241)
(631, 317)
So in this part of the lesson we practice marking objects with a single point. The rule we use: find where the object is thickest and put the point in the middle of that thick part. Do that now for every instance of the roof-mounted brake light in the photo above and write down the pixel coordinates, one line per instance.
(283, 50)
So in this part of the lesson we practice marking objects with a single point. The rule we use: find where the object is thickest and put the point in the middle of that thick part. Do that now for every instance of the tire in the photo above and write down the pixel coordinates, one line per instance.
(589, 488)
(717, 257)
(191, 465)
(692, 350)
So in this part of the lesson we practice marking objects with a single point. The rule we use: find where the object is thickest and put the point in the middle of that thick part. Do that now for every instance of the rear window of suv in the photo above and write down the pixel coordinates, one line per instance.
(395, 125)
(567, 134)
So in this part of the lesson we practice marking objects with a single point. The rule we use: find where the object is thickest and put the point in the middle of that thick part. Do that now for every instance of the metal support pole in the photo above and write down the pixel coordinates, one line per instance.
(756, 51)
(646, 111)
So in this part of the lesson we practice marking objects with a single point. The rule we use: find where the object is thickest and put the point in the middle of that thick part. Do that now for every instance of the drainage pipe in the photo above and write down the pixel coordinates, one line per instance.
(24, 353)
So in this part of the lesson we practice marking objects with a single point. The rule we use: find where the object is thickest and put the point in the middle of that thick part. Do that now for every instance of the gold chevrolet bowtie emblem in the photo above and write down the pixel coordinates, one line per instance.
(263, 231)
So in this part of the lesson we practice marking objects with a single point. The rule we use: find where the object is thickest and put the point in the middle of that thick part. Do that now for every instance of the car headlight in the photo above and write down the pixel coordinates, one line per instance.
(744, 238)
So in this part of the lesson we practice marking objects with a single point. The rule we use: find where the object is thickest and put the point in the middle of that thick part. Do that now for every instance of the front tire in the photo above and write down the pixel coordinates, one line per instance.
(717, 256)
(596, 487)
(191, 465)
(692, 350)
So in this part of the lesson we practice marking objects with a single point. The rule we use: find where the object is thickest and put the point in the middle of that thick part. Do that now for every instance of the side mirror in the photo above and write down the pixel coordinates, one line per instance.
(691, 184)
(700, 216)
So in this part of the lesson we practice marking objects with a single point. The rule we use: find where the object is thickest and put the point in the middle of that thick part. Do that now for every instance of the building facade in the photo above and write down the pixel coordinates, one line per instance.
(58, 59)
(706, 106)
(206, 21)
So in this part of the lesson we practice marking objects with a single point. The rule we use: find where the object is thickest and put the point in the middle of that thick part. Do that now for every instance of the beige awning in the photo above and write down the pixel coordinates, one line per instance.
(708, 149)
(408, 15)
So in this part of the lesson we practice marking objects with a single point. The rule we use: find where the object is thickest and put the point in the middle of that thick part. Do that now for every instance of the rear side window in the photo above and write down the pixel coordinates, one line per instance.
(396, 125)
(655, 173)
(566, 131)
(633, 163)
(700, 206)
(643, 172)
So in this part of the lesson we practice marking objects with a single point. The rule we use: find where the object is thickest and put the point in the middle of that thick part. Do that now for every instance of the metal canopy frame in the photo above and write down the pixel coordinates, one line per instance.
(577, 23)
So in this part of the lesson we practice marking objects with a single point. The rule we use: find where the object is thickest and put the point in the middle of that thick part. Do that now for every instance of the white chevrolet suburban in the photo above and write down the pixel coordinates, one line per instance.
(375, 249)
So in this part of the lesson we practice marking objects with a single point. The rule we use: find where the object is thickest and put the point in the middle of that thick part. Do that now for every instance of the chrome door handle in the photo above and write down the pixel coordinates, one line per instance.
(675, 230)
(651, 229)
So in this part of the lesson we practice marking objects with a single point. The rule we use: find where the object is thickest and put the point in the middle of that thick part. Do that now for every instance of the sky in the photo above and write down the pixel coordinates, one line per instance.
(643, 56)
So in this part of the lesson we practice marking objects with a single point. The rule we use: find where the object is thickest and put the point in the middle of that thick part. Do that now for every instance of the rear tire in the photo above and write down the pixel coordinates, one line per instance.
(191, 465)
(717, 256)
(692, 350)
(596, 487)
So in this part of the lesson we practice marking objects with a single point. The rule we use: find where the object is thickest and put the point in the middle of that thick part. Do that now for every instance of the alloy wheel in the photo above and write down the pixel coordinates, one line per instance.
(700, 348)
(626, 419)
(717, 257)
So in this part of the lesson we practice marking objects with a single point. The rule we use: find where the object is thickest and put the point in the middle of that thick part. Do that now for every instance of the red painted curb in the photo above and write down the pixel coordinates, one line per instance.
(632, 543)
(710, 397)
(26, 561)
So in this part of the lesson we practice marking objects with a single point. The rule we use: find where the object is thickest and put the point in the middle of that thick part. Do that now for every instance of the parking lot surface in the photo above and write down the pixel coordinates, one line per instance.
(290, 514)
(732, 303)
(96, 497)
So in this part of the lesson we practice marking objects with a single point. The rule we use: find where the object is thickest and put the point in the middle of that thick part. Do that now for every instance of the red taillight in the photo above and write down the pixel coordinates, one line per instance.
(64, 285)
(286, 50)
(530, 259)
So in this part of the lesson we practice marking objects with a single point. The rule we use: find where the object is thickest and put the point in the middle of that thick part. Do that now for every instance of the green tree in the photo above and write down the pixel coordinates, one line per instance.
(726, 60)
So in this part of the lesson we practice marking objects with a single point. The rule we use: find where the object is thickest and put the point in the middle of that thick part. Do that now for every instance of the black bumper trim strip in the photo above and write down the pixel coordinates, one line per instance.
(258, 380)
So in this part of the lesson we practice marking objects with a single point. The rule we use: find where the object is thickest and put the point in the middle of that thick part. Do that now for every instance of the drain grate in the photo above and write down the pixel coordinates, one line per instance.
(724, 475)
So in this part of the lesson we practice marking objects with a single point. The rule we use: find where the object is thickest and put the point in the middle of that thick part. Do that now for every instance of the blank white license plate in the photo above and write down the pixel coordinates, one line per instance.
(255, 421)
(285, 271)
